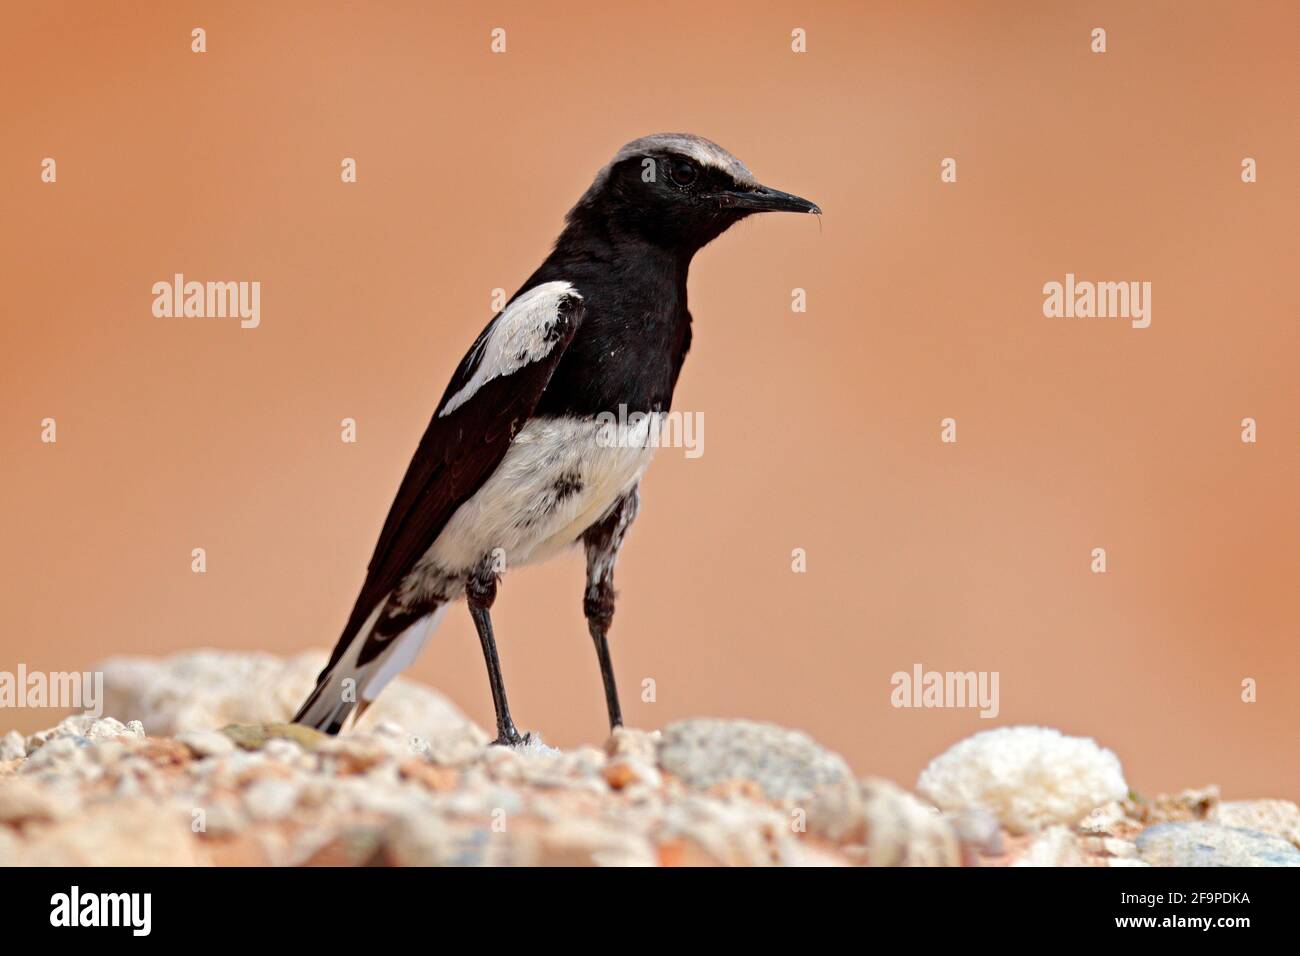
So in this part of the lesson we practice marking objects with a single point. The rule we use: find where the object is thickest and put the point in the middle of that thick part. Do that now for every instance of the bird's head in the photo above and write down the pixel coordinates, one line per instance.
(680, 191)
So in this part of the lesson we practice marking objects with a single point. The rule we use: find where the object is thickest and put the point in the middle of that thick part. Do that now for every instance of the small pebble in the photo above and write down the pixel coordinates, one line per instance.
(207, 743)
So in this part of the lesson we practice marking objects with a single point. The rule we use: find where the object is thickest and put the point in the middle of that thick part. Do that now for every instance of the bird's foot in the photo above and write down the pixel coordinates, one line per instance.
(510, 737)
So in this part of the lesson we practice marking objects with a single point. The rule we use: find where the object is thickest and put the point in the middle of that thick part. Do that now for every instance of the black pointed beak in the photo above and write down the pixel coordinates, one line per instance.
(765, 199)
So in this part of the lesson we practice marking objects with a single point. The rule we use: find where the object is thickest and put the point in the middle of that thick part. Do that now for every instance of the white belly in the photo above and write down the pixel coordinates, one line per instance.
(558, 477)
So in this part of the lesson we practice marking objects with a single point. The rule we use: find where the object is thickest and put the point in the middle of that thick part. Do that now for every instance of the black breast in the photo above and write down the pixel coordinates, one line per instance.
(632, 342)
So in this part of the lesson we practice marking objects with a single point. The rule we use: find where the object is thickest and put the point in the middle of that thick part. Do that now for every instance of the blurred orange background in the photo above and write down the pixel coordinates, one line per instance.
(822, 429)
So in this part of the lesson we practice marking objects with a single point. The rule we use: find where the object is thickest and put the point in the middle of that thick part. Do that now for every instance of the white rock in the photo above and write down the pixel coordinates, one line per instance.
(1279, 817)
(206, 743)
(23, 800)
(286, 752)
(109, 752)
(978, 829)
(1029, 777)
(12, 746)
(786, 764)
(58, 753)
(222, 817)
(84, 727)
(270, 798)
(125, 834)
(1104, 818)
(900, 830)
(207, 690)
(107, 728)
(590, 843)
(10, 847)
(733, 832)
(1055, 846)
(535, 746)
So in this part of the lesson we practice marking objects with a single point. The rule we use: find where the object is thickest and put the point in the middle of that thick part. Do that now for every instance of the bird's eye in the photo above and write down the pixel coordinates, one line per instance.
(682, 172)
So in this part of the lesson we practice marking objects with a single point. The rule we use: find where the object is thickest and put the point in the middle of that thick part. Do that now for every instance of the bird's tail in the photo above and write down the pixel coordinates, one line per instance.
(345, 686)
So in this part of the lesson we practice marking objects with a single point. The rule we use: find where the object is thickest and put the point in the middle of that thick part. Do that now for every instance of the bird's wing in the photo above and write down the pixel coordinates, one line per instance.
(491, 395)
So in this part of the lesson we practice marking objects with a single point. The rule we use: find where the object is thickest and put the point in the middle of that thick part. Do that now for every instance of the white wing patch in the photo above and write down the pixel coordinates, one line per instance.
(520, 335)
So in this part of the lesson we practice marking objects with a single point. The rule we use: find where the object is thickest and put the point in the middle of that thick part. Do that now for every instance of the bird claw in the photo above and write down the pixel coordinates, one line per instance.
(511, 738)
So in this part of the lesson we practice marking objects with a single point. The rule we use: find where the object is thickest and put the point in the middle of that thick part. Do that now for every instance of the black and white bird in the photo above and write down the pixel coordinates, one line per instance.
(516, 465)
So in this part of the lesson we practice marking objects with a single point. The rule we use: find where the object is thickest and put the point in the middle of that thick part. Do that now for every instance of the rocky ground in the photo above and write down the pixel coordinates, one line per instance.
(206, 772)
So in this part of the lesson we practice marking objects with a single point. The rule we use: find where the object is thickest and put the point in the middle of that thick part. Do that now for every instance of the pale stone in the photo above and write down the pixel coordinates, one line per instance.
(206, 743)
(1055, 846)
(785, 764)
(270, 799)
(12, 746)
(207, 690)
(1210, 844)
(23, 800)
(1030, 777)
(121, 835)
(1278, 817)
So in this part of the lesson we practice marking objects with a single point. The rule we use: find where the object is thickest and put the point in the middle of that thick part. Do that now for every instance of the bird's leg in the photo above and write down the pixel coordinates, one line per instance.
(602, 541)
(598, 606)
(480, 593)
